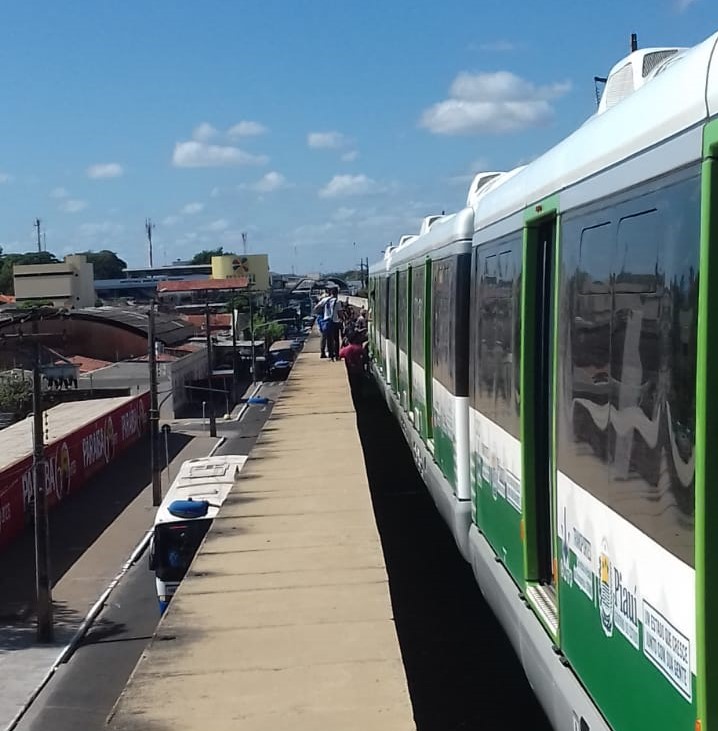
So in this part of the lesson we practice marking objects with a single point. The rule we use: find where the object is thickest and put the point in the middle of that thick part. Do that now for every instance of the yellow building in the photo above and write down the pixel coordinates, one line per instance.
(254, 266)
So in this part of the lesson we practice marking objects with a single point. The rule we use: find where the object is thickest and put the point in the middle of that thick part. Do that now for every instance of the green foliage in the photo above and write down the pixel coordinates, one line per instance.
(106, 263)
(205, 256)
(31, 305)
(15, 395)
(8, 261)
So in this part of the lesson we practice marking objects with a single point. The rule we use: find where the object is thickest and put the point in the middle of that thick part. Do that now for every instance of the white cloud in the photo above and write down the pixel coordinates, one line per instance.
(191, 208)
(102, 228)
(269, 183)
(500, 46)
(194, 154)
(350, 156)
(170, 220)
(347, 185)
(5, 178)
(682, 5)
(326, 140)
(106, 170)
(72, 205)
(204, 132)
(215, 192)
(247, 128)
(221, 224)
(344, 214)
(492, 103)
(59, 193)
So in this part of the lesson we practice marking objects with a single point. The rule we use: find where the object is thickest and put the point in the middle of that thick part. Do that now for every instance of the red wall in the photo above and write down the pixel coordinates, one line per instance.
(69, 463)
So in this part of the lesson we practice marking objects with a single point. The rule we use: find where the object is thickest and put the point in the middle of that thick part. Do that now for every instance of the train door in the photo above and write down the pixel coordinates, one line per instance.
(537, 414)
(428, 356)
(409, 320)
(395, 333)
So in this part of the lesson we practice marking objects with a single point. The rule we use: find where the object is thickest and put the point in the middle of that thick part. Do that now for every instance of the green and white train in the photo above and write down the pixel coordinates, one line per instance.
(553, 363)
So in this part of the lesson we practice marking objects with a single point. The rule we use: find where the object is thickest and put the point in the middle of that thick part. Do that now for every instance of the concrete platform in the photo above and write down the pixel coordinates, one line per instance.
(284, 620)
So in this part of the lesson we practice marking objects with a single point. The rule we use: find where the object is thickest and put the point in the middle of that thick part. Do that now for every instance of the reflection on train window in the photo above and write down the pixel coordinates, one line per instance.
(418, 283)
(391, 308)
(496, 333)
(627, 345)
(444, 274)
(450, 306)
(639, 240)
(403, 312)
(590, 338)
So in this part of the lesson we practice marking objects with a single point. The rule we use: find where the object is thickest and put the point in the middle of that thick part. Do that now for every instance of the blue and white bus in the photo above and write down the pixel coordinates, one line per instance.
(186, 513)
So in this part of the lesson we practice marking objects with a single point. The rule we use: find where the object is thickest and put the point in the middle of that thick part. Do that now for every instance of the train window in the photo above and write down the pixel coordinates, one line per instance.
(403, 312)
(449, 314)
(418, 283)
(638, 250)
(442, 323)
(496, 332)
(391, 308)
(595, 255)
(628, 345)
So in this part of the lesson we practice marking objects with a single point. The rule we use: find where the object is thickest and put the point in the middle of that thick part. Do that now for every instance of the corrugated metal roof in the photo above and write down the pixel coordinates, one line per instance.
(168, 330)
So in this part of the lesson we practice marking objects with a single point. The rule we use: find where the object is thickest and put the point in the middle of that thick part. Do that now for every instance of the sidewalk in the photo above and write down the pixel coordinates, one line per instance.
(284, 620)
(23, 664)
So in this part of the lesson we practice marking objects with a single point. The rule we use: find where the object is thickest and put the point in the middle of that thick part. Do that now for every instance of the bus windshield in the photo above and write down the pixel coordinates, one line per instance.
(176, 545)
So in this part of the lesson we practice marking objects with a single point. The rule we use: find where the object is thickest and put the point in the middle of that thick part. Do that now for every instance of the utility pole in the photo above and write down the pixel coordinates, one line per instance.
(210, 393)
(235, 362)
(251, 335)
(39, 239)
(45, 630)
(154, 410)
(148, 228)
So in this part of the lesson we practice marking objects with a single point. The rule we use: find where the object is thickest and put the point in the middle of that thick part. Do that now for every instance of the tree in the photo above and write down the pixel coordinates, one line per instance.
(8, 261)
(205, 256)
(106, 263)
(15, 395)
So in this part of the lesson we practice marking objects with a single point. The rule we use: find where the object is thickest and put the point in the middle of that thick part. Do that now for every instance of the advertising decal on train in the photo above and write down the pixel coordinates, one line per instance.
(69, 462)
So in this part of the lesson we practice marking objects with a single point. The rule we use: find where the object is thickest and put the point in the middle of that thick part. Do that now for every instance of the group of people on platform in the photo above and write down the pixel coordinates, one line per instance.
(340, 322)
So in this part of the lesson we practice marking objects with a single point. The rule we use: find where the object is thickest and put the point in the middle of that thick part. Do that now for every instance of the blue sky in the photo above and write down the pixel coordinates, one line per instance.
(323, 129)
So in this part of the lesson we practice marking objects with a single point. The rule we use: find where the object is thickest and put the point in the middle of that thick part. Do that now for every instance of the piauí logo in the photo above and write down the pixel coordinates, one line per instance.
(566, 572)
(605, 591)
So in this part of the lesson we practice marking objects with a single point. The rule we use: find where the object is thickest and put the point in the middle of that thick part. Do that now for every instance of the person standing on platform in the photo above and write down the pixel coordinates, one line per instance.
(329, 308)
(354, 356)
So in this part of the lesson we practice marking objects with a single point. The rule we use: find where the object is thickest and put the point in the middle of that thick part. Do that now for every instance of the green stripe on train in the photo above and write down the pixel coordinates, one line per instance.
(628, 688)
(497, 519)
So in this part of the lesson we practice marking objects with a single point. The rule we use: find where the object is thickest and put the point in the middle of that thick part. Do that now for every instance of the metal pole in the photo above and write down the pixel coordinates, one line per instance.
(42, 527)
(235, 360)
(251, 334)
(154, 411)
(212, 421)
(167, 455)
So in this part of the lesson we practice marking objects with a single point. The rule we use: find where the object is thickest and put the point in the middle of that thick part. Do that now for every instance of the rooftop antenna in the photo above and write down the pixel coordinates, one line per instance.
(148, 228)
(39, 240)
(244, 242)
(634, 42)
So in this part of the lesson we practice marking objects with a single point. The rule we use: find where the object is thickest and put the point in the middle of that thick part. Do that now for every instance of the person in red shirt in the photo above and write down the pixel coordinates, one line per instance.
(354, 356)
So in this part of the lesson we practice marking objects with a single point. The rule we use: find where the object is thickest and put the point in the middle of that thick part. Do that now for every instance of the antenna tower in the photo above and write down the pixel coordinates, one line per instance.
(244, 242)
(39, 240)
(148, 228)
